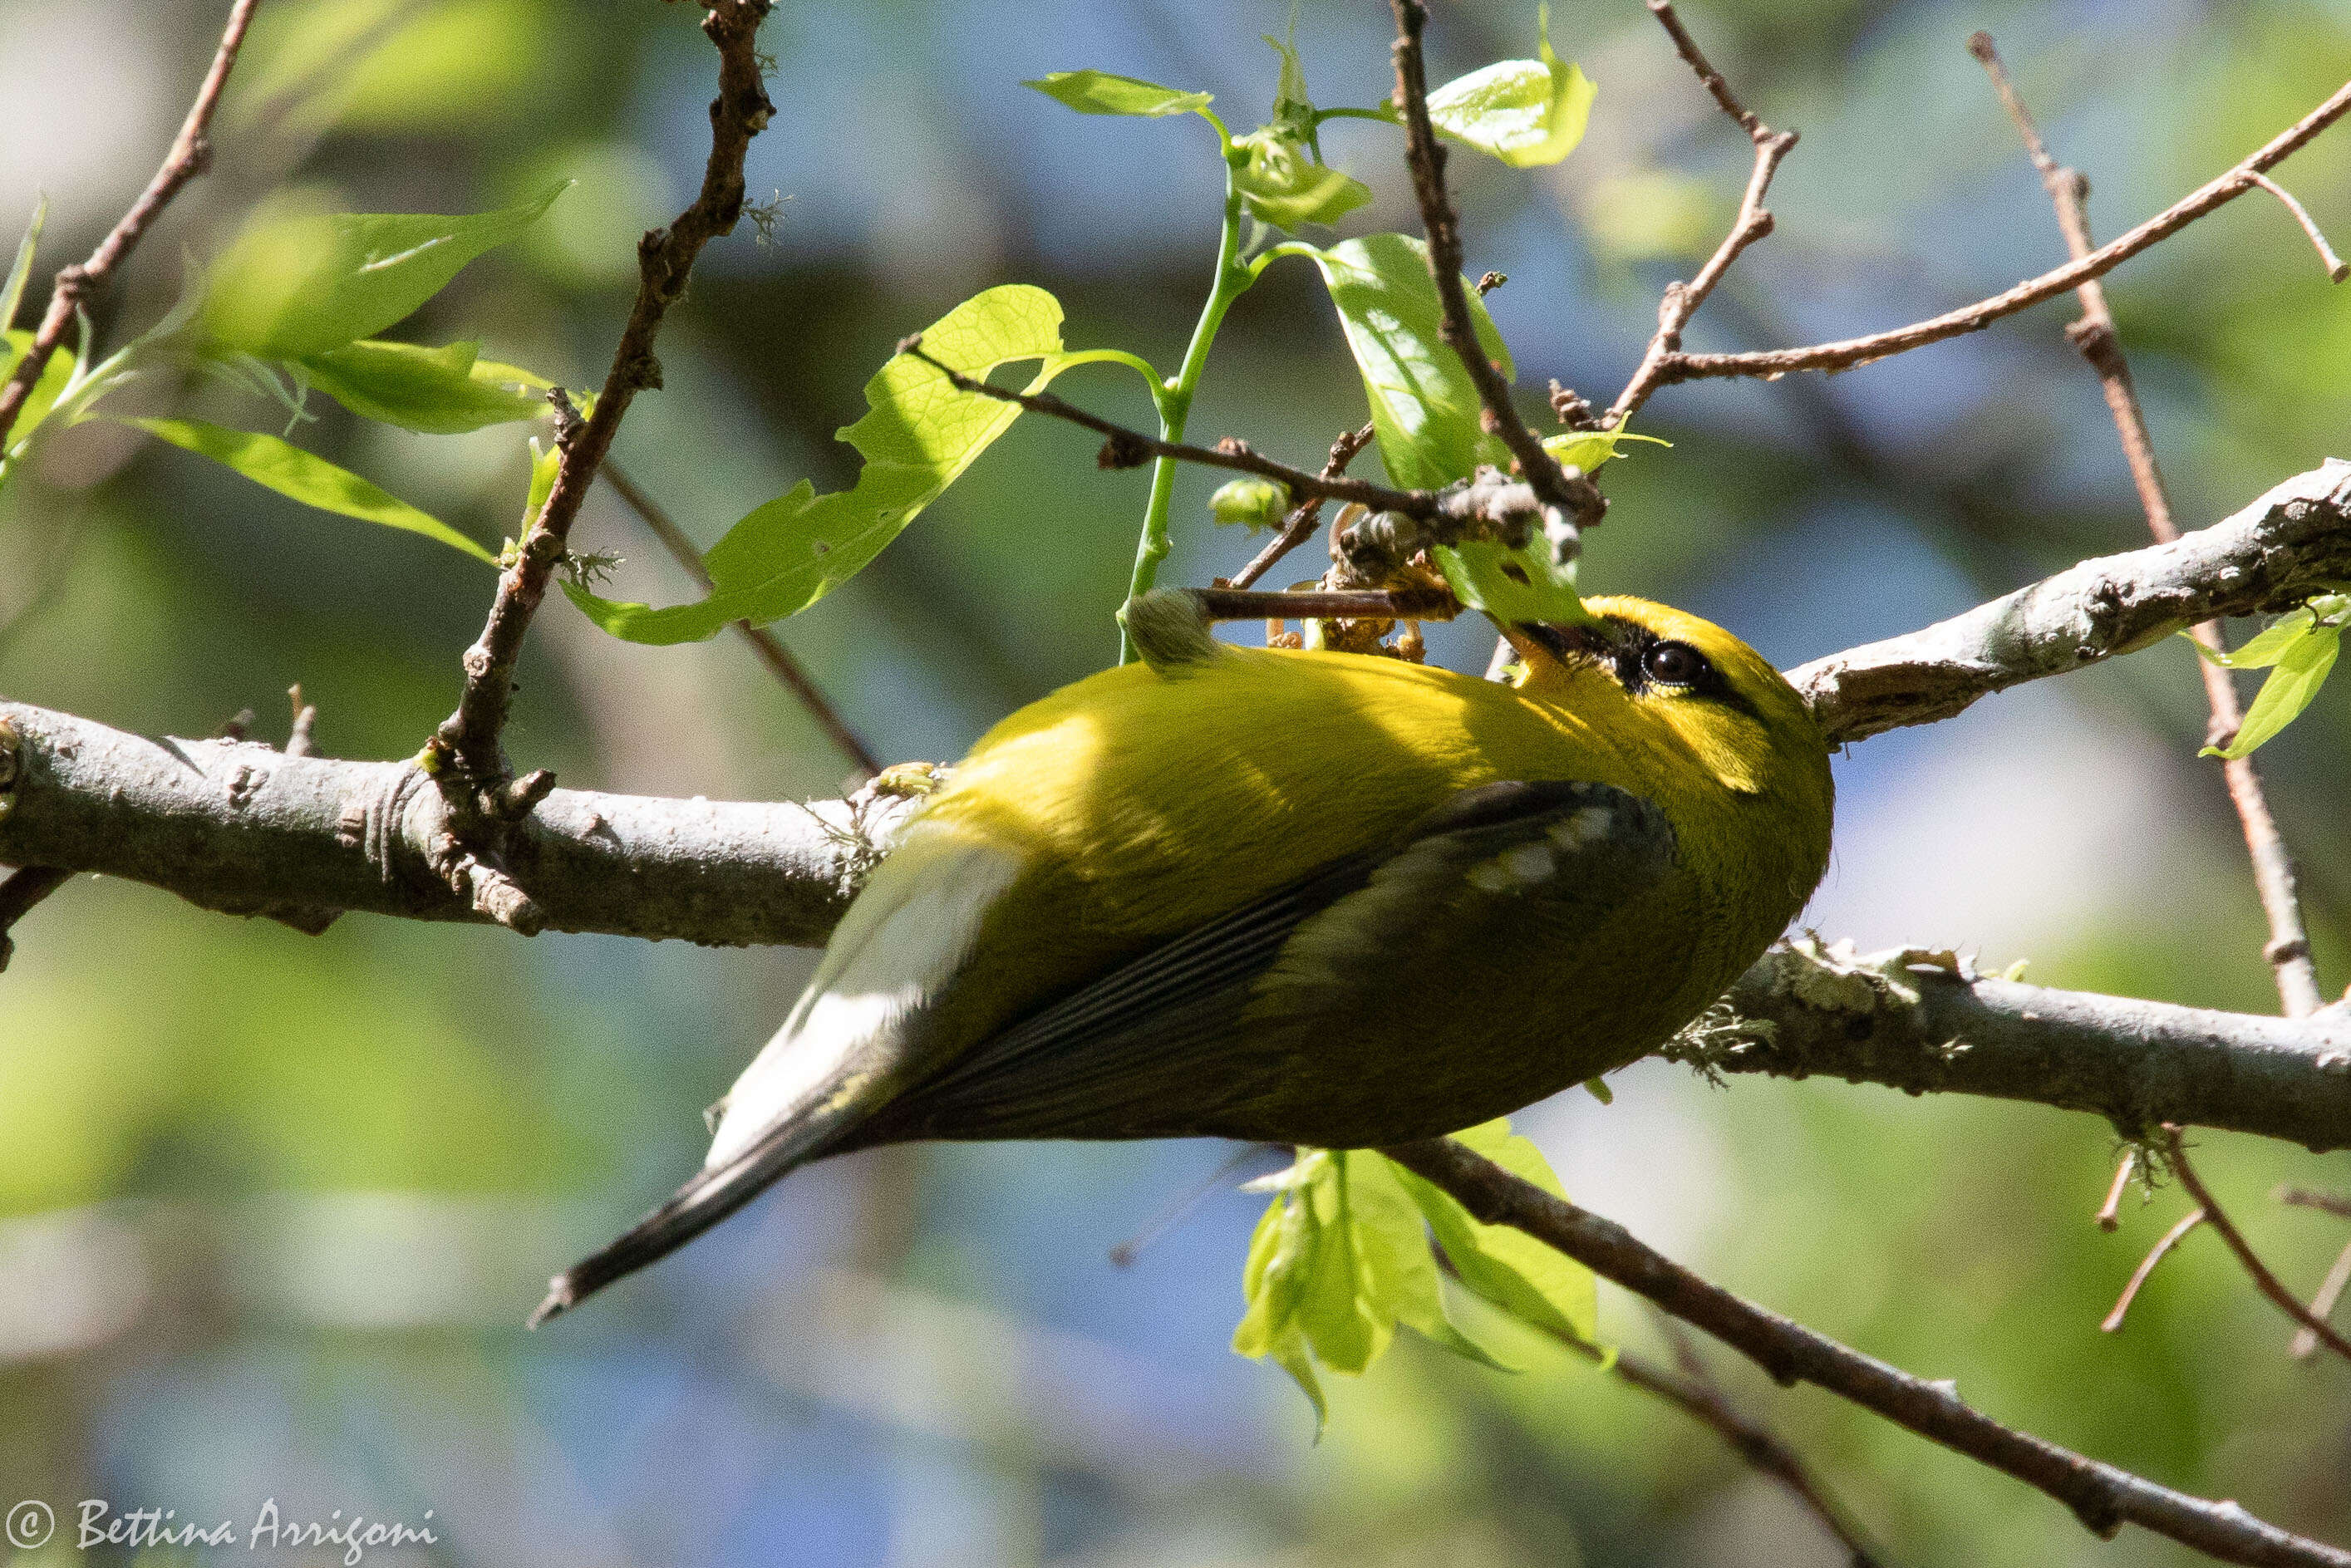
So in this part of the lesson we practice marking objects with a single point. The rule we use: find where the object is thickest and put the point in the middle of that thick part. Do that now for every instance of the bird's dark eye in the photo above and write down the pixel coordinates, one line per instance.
(1674, 665)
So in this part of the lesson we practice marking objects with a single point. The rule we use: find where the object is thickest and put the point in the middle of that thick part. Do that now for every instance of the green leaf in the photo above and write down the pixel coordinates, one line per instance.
(1511, 585)
(920, 434)
(1293, 110)
(441, 392)
(288, 469)
(1586, 450)
(1339, 1259)
(299, 282)
(1098, 92)
(1424, 408)
(1508, 1267)
(2302, 665)
(1249, 502)
(2262, 651)
(1527, 113)
(1282, 184)
(53, 378)
(12, 293)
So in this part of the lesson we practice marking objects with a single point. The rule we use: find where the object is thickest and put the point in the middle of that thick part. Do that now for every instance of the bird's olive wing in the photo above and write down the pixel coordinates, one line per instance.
(1180, 1041)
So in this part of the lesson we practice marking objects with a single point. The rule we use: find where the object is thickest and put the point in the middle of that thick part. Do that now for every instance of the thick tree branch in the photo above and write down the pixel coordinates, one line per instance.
(1849, 352)
(191, 151)
(1915, 1023)
(2101, 1496)
(2285, 547)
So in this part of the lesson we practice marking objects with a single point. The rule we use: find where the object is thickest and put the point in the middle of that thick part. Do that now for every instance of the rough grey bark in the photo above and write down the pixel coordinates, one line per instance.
(2275, 553)
(1926, 1023)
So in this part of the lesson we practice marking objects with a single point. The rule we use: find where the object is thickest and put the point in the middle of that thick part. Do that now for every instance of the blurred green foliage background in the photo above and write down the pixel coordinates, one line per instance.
(274, 1206)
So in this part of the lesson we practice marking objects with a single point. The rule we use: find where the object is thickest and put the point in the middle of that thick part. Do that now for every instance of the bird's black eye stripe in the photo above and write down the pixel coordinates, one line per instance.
(1645, 660)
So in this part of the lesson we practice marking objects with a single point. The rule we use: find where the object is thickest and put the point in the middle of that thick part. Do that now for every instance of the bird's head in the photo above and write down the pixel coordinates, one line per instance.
(1688, 686)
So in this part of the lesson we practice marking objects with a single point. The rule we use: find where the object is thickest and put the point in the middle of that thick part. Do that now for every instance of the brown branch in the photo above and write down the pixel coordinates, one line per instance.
(1568, 506)
(2322, 1305)
(2102, 1496)
(1681, 300)
(19, 890)
(2325, 1202)
(1327, 604)
(2109, 1215)
(1307, 515)
(1846, 353)
(469, 736)
(190, 151)
(2337, 269)
(2288, 948)
(1486, 502)
(2176, 1152)
(765, 643)
(2156, 1254)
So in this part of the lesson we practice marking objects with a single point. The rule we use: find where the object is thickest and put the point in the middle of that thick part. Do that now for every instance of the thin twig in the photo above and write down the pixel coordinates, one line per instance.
(764, 643)
(2322, 1305)
(2102, 1496)
(2109, 1215)
(1568, 507)
(2175, 1155)
(2172, 1238)
(190, 151)
(1307, 515)
(470, 735)
(1179, 1208)
(464, 754)
(1486, 501)
(1846, 353)
(2288, 948)
(2326, 1202)
(1681, 300)
(1327, 604)
(2337, 269)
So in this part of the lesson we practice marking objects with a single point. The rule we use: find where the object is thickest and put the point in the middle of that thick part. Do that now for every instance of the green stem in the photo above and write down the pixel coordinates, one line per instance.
(1175, 397)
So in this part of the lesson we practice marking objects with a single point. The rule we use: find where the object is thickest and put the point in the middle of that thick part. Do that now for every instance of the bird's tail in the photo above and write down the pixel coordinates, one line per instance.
(714, 1193)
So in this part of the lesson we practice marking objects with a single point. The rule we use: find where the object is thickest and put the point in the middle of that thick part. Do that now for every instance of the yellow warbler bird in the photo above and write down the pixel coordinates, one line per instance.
(1307, 898)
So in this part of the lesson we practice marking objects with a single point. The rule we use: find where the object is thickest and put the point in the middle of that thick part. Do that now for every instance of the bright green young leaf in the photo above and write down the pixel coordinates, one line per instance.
(1340, 1259)
(302, 282)
(1425, 410)
(2301, 668)
(12, 293)
(288, 469)
(2262, 651)
(1283, 185)
(919, 435)
(1293, 112)
(1511, 585)
(1249, 502)
(440, 392)
(54, 376)
(1508, 1267)
(1525, 112)
(1100, 92)
(1586, 450)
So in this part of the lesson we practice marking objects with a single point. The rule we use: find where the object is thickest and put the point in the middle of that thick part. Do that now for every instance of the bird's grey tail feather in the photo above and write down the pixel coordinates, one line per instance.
(701, 1203)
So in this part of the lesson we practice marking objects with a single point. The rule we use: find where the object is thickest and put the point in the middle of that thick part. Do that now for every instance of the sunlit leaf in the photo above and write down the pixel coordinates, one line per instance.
(1100, 92)
(288, 469)
(1283, 185)
(1511, 585)
(298, 282)
(440, 392)
(1339, 1259)
(1424, 408)
(12, 293)
(1586, 450)
(53, 378)
(1507, 1266)
(919, 435)
(2262, 650)
(1525, 112)
(2301, 666)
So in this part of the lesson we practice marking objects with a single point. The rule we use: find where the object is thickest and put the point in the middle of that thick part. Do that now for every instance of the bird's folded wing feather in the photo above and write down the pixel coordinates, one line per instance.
(1160, 1045)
